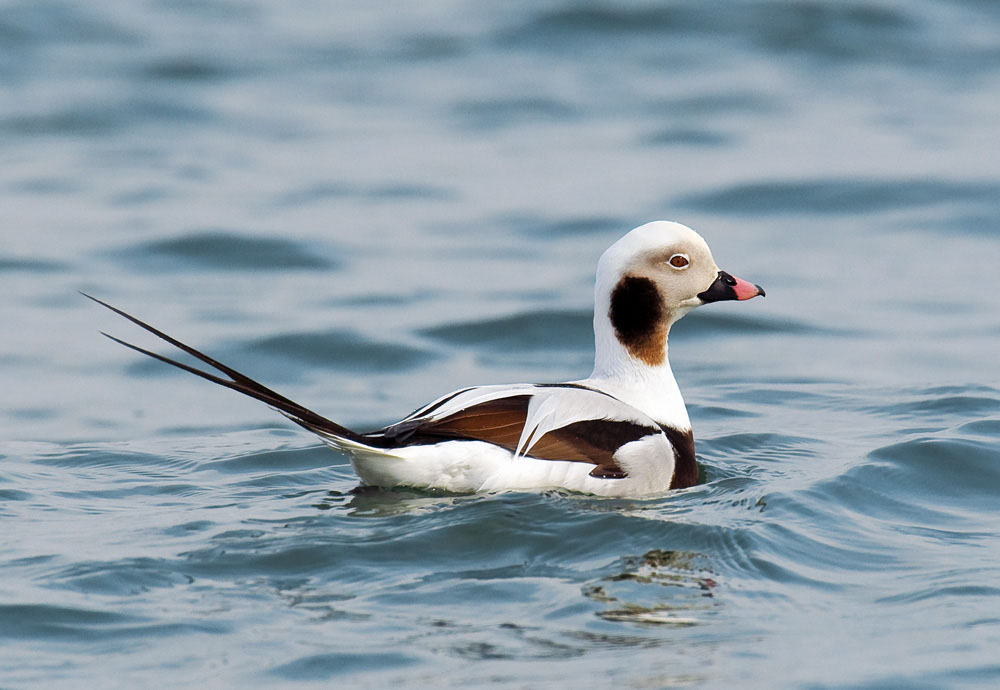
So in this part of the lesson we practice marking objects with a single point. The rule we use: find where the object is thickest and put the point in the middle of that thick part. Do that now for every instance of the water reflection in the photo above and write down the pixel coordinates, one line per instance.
(661, 587)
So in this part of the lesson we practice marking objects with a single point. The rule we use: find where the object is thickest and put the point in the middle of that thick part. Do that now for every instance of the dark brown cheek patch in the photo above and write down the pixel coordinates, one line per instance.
(638, 317)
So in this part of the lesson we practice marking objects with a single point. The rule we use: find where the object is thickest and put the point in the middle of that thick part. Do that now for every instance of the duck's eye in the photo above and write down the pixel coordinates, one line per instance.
(679, 261)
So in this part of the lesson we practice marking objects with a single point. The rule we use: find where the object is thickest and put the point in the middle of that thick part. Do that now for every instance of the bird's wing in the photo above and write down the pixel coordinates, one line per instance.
(567, 422)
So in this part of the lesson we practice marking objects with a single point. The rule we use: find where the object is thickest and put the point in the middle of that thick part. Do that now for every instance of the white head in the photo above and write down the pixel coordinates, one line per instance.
(646, 281)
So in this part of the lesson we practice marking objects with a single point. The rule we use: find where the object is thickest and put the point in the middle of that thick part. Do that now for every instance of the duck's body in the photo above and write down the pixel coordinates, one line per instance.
(525, 436)
(623, 431)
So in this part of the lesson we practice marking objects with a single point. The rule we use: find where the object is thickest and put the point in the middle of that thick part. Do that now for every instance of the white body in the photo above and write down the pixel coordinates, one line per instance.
(470, 466)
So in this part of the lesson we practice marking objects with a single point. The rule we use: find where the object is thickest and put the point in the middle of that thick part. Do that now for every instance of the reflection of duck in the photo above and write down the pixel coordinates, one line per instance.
(623, 431)
(685, 573)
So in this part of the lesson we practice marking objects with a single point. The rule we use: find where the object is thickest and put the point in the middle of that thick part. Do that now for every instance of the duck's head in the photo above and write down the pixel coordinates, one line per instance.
(649, 279)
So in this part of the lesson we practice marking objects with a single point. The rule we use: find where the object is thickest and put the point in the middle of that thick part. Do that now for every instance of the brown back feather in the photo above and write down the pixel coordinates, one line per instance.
(502, 421)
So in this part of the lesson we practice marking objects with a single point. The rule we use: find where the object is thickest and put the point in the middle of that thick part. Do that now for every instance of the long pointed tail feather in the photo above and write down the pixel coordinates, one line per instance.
(302, 416)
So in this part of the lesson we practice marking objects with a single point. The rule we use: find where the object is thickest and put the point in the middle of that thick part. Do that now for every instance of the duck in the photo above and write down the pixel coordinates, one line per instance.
(623, 431)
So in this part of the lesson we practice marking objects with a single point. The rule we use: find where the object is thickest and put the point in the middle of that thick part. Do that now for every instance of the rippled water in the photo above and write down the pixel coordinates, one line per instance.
(367, 205)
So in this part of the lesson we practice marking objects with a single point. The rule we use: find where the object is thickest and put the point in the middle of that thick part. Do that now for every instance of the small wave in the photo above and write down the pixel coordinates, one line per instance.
(837, 196)
(54, 184)
(943, 469)
(187, 68)
(700, 107)
(78, 120)
(400, 191)
(938, 592)
(828, 34)
(974, 222)
(101, 455)
(105, 118)
(763, 446)
(220, 250)
(488, 114)
(944, 406)
(126, 577)
(686, 136)
(274, 462)
(429, 47)
(344, 350)
(603, 19)
(705, 324)
(60, 23)
(984, 427)
(144, 194)
(49, 621)
(534, 330)
(536, 226)
(320, 666)
(940, 405)
(12, 265)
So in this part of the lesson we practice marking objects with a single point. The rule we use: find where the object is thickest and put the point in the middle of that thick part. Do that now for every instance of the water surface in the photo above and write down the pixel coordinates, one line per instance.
(366, 207)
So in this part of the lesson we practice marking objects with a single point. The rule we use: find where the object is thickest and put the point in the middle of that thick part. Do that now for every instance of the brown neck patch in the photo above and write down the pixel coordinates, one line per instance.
(638, 316)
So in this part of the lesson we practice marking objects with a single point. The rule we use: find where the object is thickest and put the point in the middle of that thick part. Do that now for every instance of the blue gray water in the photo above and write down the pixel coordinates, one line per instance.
(366, 205)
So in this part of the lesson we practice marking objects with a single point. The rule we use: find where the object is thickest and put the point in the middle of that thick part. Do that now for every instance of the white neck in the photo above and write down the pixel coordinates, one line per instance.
(640, 378)
(650, 389)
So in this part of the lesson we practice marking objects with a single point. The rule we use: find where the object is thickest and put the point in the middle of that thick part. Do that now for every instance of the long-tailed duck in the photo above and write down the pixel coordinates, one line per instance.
(622, 431)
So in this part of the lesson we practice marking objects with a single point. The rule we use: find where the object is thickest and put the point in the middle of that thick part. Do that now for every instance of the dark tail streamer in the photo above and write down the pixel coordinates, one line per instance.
(302, 416)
